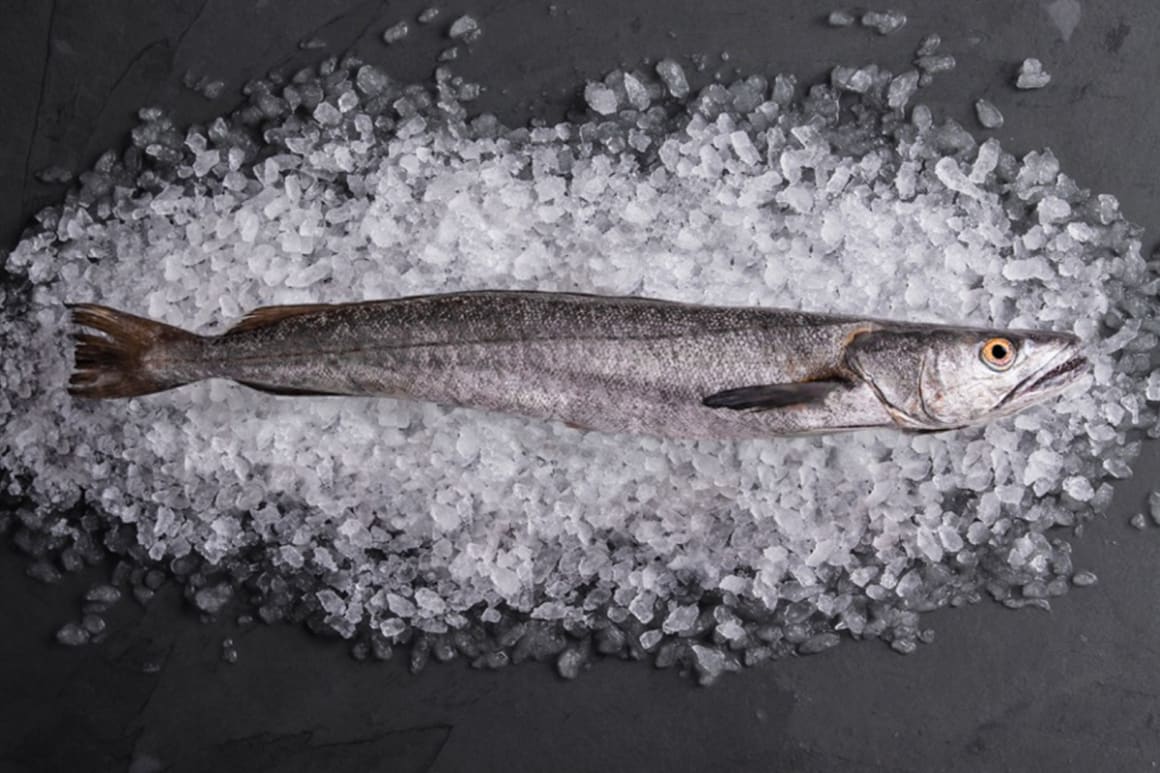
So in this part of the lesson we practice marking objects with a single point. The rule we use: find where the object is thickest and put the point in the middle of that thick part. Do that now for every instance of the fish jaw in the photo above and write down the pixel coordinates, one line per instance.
(1056, 376)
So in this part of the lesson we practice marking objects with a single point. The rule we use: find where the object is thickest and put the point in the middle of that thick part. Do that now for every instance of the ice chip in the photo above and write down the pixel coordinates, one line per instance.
(710, 662)
(744, 148)
(1084, 579)
(884, 22)
(680, 619)
(570, 662)
(371, 80)
(211, 599)
(673, 76)
(932, 64)
(400, 606)
(1079, 488)
(840, 19)
(331, 602)
(819, 643)
(465, 28)
(951, 175)
(327, 114)
(600, 98)
(1154, 507)
(988, 115)
(986, 160)
(950, 538)
(901, 89)
(850, 79)
(72, 635)
(429, 601)
(929, 44)
(396, 32)
(1052, 209)
(636, 91)
(1031, 75)
(213, 89)
(54, 174)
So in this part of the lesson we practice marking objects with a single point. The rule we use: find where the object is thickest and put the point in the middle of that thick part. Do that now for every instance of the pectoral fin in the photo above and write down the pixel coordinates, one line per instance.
(764, 397)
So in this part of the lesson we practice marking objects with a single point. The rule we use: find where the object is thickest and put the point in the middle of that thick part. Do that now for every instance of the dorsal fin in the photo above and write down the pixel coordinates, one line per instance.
(268, 315)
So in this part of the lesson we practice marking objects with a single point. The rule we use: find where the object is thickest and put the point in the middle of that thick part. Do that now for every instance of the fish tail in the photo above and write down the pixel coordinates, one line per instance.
(129, 359)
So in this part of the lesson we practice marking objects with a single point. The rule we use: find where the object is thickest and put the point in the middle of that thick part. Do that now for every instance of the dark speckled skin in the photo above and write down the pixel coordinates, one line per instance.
(605, 363)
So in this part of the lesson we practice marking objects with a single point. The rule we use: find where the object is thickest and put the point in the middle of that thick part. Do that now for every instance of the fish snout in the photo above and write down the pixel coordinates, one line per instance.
(1067, 365)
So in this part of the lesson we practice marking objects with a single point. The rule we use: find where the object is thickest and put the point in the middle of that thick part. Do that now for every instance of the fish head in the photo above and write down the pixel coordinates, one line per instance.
(936, 377)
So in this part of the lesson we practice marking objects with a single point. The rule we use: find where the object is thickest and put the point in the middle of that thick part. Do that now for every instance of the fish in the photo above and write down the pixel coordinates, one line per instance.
(611, 364)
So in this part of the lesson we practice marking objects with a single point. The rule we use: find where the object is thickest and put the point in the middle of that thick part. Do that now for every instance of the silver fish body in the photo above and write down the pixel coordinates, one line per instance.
(604, 363)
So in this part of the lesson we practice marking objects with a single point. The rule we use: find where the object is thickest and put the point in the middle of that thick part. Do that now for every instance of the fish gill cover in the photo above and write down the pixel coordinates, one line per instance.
(501, 539)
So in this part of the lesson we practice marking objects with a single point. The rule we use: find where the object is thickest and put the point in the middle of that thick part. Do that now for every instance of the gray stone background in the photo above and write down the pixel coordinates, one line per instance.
(1076, 689)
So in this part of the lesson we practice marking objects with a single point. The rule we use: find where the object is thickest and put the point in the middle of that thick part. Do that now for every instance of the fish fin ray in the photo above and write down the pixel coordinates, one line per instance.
(289, 391)
(116, 364)
(268, 315)
(764, 397)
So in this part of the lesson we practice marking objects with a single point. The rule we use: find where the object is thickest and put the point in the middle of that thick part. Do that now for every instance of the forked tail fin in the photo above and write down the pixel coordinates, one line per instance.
(129, 359)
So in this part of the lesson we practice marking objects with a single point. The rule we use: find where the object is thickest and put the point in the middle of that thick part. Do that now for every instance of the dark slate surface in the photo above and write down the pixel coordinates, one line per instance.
(1076, 689)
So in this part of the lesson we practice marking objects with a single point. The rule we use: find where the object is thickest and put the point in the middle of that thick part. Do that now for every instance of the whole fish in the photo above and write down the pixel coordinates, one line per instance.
(611, 364)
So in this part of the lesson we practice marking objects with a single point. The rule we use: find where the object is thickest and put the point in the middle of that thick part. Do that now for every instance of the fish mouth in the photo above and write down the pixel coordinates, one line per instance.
(1059, 375)
(1048, 381)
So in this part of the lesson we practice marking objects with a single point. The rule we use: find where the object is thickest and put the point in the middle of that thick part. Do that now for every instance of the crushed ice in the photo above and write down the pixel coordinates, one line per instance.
(503, 539)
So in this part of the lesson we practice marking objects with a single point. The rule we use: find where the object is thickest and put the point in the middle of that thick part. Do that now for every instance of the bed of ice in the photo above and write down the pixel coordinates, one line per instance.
(501, 538)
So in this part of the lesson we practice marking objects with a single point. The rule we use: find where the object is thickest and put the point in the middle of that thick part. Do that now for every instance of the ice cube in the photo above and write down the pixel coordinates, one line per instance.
(951, 175)
(72, 635)
(1154, 507)
(396, 32)
(901, 89)
(1031, 75)
(988, 115)
(673, 76)
(680, 619)
(636, 91)
(1079, 488)
(465, 28)
(213, 598)
(850, 79)
(885, 22)
(600, 98)
(1084, 579)
(932, 64)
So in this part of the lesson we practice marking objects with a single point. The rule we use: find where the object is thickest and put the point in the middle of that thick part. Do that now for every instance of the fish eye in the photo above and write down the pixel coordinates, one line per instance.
(998, 353)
